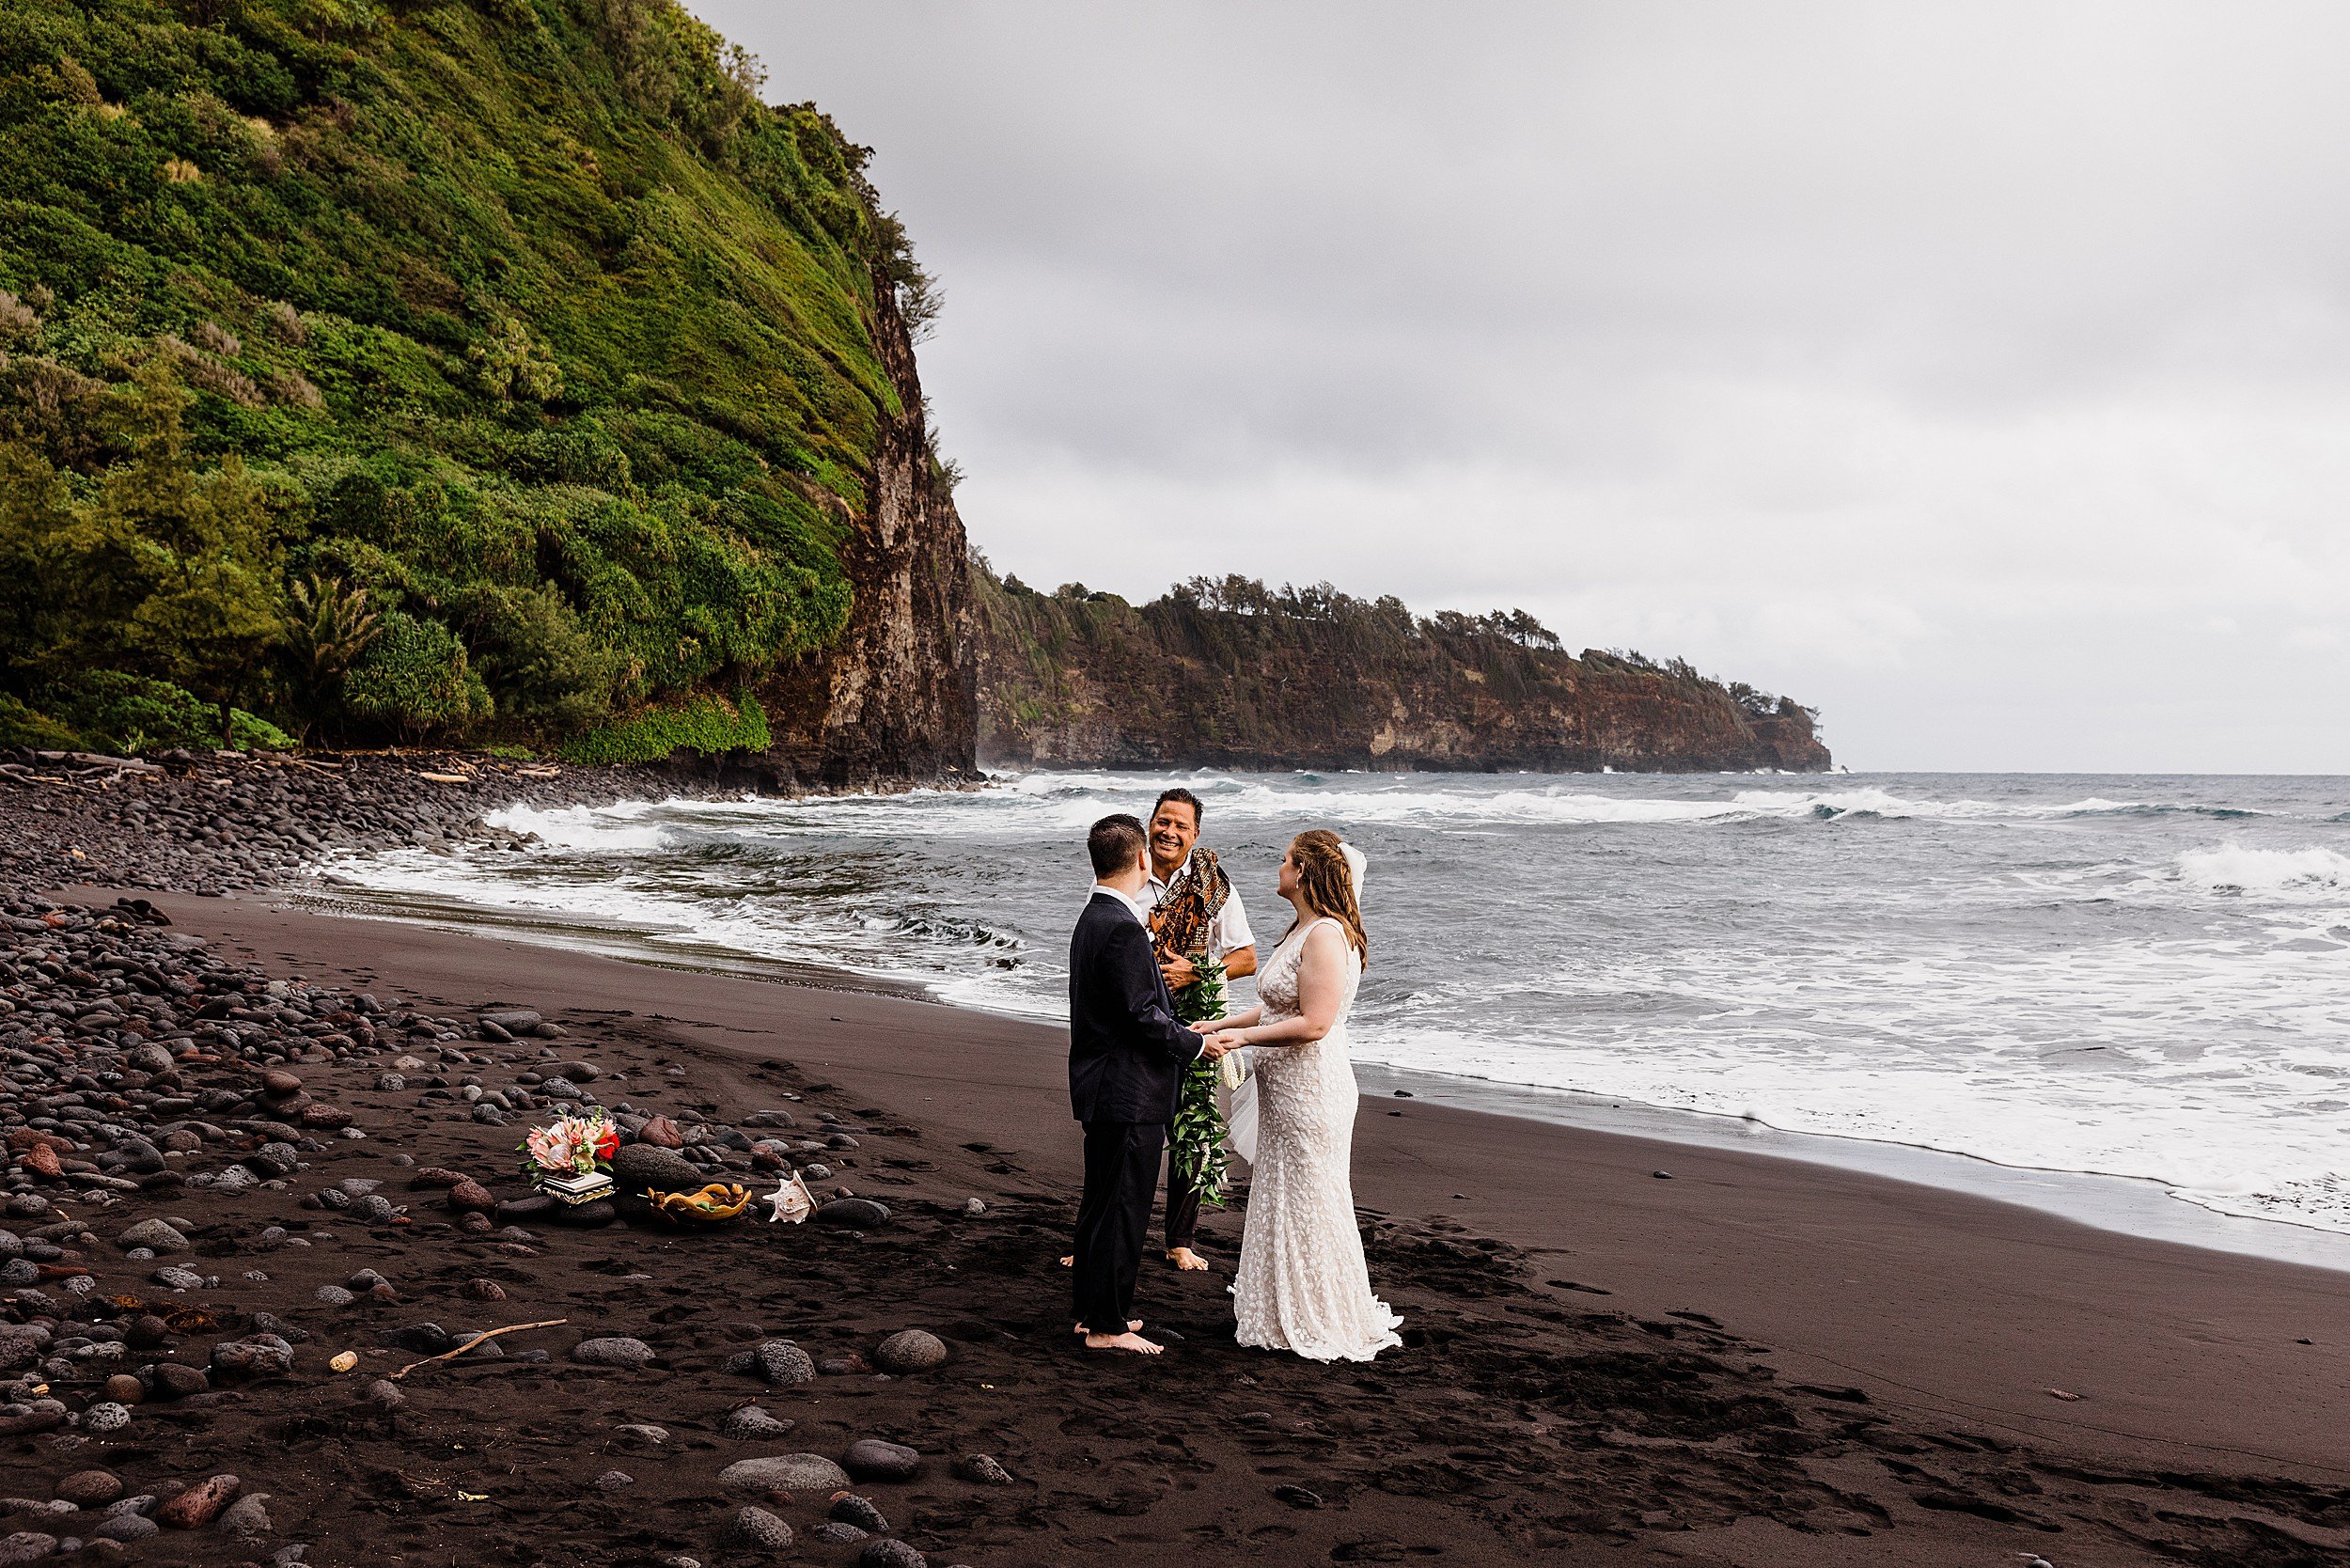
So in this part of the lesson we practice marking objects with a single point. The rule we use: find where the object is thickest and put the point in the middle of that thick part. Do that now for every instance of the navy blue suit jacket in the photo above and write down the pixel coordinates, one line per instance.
(1126, 1052)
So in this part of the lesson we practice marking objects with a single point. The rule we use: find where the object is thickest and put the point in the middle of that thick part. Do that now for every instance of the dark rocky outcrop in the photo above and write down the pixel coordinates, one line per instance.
(895, 699)
(220, 824)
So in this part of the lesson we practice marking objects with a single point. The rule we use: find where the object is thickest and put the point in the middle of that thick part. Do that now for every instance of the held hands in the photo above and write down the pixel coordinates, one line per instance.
(1220, 1040)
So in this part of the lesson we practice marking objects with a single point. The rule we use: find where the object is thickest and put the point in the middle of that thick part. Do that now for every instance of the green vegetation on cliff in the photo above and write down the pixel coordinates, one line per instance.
(1230, 673)
(705, 723)
(405, 370)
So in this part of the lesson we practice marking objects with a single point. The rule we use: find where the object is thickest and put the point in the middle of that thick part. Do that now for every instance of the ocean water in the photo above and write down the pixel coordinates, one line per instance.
(2134, 976)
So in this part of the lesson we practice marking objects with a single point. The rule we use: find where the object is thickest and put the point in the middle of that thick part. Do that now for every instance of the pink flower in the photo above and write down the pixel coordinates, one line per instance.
(552, 1147)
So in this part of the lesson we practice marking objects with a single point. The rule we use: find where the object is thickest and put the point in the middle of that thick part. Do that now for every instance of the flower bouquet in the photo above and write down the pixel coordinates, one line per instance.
(572, 1159)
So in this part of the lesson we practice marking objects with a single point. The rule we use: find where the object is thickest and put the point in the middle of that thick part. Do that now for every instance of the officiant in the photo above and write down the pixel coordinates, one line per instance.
(1195, 914)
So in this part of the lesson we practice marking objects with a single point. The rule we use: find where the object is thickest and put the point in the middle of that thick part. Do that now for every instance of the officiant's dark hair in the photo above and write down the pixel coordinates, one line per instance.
(1116, 844)
(1186, 797)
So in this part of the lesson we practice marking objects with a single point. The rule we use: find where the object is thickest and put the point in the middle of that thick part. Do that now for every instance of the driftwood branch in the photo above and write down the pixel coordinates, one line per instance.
(478, 1339)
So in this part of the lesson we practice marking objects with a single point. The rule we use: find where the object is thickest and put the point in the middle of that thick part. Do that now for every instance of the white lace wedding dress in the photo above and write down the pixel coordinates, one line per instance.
(1303, 1285)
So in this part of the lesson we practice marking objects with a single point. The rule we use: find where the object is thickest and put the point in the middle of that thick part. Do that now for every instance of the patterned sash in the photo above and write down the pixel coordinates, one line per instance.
(1184, 921)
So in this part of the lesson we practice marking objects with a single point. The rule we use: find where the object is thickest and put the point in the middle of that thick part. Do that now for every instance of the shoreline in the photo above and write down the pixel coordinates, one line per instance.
(2127, 1205)
(2137, 1206)
(265, 827)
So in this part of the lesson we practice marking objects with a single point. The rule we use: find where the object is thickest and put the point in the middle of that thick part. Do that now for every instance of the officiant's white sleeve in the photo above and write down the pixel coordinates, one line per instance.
(1231, 926)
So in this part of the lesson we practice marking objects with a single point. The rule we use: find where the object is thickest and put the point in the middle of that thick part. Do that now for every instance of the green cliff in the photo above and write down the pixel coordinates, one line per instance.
(1230, 674)
(485, 372)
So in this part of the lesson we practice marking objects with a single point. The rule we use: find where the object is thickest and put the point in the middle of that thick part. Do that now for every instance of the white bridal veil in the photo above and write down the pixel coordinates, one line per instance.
(1240, 1104)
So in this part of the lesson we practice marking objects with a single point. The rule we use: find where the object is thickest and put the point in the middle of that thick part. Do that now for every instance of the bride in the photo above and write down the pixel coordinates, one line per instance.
(1303, 1285)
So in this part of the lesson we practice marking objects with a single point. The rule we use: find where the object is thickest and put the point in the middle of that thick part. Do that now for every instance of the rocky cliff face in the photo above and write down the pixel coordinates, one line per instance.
(1073, 680)
(894, 701)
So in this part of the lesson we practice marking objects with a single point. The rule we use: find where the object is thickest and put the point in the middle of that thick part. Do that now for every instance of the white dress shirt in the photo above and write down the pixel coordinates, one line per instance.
(1229, 933)
(1140, 912)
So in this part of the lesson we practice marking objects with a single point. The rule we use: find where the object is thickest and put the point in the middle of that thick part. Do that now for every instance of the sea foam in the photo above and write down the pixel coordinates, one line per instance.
(2298, 874)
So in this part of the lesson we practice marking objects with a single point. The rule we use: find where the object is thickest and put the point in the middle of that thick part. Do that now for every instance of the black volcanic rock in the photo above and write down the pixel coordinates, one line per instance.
(640, 1168)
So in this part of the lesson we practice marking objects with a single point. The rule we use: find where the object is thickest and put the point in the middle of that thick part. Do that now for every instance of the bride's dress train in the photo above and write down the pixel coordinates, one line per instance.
(1303, 1285)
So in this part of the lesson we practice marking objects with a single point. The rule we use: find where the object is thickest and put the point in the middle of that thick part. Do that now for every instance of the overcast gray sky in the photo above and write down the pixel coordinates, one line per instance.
(1979, 373)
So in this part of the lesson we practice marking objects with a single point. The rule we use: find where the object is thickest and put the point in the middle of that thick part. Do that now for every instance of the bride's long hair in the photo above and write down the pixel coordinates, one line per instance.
(1328, 885)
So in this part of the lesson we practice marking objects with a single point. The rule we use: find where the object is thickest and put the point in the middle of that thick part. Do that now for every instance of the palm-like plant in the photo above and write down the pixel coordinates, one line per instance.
(328, 626)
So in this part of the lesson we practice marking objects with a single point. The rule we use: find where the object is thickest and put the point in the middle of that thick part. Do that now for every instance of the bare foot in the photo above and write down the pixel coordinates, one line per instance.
(1184, 1258)
(1133, 1325)
(1135, 1343)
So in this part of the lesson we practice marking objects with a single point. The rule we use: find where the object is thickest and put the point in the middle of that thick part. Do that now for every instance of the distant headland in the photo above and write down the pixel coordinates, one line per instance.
(1230, 673)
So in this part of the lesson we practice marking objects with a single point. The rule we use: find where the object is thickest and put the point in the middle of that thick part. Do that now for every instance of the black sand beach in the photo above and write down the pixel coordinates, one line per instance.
(1742, 1361)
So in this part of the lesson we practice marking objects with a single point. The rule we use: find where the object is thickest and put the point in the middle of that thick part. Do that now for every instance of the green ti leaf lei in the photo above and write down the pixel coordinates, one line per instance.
(1198, 1136)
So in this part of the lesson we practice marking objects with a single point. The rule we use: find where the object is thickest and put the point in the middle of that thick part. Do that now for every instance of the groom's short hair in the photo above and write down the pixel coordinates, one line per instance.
(1114, 843)
(1184, 797)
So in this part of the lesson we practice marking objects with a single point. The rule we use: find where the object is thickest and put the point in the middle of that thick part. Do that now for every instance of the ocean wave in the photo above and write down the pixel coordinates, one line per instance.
(1059, 803)
(604, 829)
(2241, 871)
(1225, 795)
(2156, 808)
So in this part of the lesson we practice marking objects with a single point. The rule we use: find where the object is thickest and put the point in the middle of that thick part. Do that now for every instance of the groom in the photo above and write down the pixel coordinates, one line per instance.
(1126, 1060)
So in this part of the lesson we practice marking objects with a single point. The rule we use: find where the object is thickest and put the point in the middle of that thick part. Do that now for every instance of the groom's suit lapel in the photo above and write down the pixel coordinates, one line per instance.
(1158, 976)
(1167, 997)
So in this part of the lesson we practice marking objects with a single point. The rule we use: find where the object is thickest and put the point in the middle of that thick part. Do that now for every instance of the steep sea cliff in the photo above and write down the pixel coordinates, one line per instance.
(895, 699)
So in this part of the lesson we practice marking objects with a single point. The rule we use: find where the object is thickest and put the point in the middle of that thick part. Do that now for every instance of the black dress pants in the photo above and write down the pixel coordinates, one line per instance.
(1182, 1205)
(1114, 1218)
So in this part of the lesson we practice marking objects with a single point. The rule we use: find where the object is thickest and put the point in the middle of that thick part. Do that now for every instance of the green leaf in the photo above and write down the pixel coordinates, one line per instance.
(1195, 1142)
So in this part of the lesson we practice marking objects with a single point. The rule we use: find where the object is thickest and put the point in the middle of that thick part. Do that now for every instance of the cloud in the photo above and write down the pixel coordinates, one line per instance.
(1956, 367)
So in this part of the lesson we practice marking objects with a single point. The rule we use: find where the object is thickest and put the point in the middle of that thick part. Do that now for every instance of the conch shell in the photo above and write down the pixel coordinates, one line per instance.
(718, 1201)
(790, 1201)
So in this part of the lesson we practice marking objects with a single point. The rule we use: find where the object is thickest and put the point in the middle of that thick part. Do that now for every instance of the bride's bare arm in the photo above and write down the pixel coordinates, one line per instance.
(1236, 1021)
(1321, 990)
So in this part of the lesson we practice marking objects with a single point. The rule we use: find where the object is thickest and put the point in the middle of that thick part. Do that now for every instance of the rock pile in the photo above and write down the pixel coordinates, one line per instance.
(225, 823)
(151, 1088)
(133, 1054)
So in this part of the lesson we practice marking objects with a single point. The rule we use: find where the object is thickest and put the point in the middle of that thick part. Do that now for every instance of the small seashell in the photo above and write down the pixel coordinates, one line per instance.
(344, 1362)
